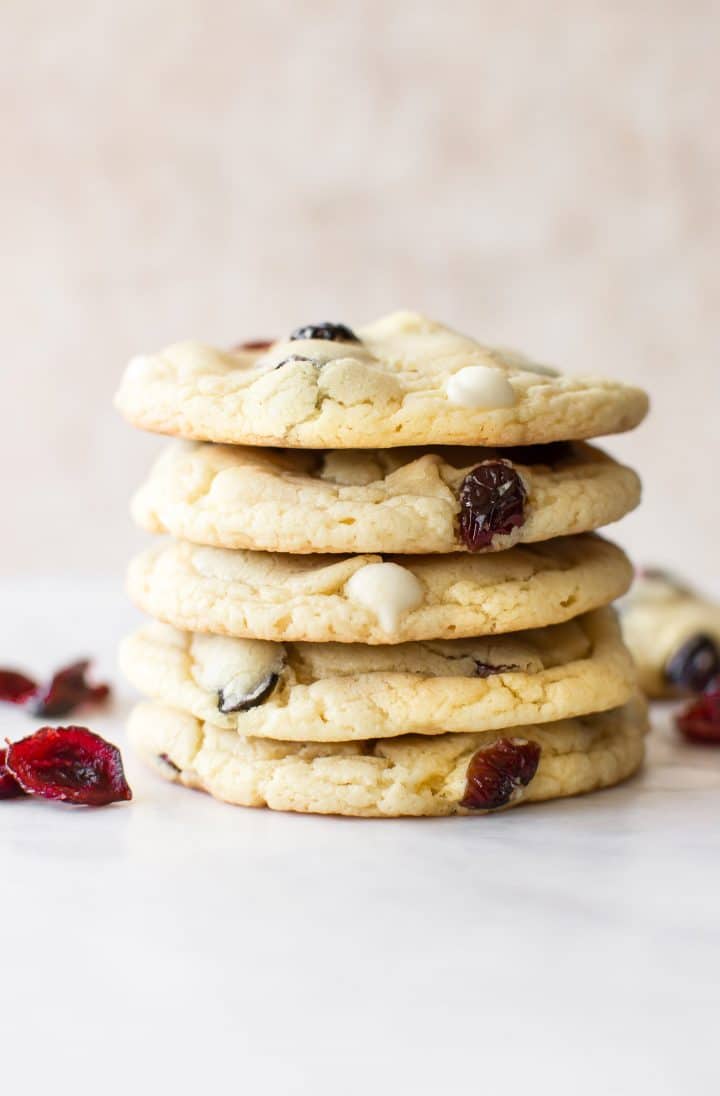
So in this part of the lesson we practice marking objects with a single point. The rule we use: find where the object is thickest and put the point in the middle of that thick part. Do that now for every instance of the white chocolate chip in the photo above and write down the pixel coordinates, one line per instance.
(388, 590)
(480, 386)
(219, 662)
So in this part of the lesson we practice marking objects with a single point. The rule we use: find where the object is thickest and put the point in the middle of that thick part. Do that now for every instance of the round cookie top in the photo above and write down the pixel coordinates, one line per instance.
(332, 692)
(409, 775)
(415, 500)
(404, 380)
(375, 600)
(673, 633)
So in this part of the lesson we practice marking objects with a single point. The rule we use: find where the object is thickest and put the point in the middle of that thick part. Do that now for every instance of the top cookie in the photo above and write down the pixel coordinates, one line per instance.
(404, 380)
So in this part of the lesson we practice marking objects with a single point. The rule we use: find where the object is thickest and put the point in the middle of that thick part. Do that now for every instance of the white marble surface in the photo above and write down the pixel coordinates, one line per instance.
(180, 945)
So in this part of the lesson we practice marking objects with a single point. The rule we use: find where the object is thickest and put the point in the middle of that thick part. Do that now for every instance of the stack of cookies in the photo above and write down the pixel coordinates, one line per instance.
(384, 595)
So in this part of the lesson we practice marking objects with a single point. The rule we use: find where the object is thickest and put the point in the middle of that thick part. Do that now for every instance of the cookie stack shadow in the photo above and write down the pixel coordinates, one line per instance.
(383, 594)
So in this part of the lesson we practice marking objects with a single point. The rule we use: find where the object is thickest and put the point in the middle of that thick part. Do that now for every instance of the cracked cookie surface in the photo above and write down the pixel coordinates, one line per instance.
(405, 380)
(409, 775)
(262, 595)
(401, 500)
(331, 692)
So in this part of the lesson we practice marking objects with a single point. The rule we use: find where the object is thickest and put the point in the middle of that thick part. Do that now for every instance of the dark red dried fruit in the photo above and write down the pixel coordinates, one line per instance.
(254, 344)
(700, 721)
(9, 787)
(694, 665)
(492, 503)
(496, 772)
(486, 669)
(334, 332)
(68, 689)
(16, 688)
(71, 764)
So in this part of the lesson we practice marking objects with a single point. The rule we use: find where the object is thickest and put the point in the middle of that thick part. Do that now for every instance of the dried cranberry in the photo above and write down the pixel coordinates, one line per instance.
(334, 332)
(492, 502)
(496, 772)
(254, 344)
(68, 689)
(694, 665)
(16, 688)
(486, 669)
(9, 787)
(700, 721)
(70, 764)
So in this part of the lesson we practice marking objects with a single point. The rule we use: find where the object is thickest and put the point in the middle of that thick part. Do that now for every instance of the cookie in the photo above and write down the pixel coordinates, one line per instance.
(673, 633)
(410, 775)
(330, 692)
(404, 380)
(401, 500)
(375, 600)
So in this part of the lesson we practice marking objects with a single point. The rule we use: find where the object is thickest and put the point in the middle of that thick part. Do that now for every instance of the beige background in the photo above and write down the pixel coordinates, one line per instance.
(544, 174)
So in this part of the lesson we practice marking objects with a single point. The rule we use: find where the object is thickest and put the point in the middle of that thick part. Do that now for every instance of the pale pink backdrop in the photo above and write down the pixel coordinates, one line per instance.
(542, 174)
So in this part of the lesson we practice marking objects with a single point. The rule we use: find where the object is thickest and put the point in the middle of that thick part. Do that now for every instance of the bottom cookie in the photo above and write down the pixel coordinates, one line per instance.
(409, 775)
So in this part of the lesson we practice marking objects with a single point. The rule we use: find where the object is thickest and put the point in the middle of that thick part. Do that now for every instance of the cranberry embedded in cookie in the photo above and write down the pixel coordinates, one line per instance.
(254, 344)
(333, 332)
(693, 666)
(496, 773)
(487, 669)
(492, 503)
